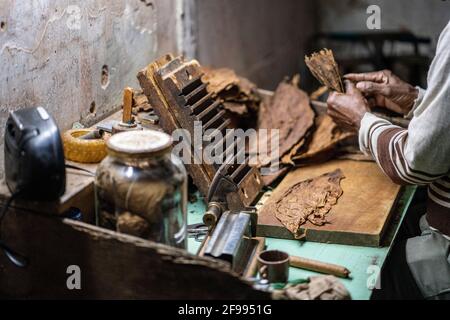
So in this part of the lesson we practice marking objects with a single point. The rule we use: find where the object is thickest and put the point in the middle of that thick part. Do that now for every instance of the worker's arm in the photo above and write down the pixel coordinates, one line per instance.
(400, 154)
(420, 154)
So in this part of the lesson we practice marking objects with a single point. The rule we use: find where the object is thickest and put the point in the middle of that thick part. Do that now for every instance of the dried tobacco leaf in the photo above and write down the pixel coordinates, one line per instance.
(318, 93)
(324, 68)
(220, 79)
(289, 112)
(309, 201)
(324, 142)
(140, 102)
(240, 93)
(236, 108)
(248, 91)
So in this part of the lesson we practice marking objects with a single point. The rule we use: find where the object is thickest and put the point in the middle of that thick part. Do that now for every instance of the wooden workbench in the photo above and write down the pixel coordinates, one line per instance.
(365, 263)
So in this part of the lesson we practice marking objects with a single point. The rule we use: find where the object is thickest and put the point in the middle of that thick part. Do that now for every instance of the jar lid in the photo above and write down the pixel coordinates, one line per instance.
(139, 143)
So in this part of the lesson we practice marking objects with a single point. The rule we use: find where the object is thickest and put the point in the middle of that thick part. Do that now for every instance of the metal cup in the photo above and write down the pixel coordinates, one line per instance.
(274, 266)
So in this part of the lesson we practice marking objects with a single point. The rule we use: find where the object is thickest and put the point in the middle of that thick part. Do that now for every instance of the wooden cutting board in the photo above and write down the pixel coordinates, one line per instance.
(359, 218)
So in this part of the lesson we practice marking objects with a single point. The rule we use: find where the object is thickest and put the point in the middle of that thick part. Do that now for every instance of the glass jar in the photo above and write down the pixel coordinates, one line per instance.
(141, 189)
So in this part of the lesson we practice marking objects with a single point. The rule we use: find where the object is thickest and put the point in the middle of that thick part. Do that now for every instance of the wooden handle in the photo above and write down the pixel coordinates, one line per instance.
(318, 266)
(127, 105)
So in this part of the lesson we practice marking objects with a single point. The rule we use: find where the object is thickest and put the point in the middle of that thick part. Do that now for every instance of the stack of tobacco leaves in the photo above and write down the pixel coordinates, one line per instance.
(323, 144)
(289, 112)
(304, 138)
(324, 68)
(140, 102)
(239, 95)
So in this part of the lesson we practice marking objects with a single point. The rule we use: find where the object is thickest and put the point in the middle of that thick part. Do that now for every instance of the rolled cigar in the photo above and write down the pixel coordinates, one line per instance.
(318, 266)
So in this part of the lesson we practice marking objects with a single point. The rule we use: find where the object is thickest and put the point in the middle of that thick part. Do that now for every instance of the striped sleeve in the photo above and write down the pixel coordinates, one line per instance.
(418, 102)
(420, 154)
(387, 144)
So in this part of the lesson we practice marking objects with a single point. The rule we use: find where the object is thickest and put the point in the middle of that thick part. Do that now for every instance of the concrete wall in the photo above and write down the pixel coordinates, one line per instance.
(74, 57)
(261, 39)
(422, 17)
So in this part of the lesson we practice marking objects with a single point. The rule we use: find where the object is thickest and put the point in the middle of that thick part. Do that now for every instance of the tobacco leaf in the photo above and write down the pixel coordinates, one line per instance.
(324, 142)
(220, 79)
(324, 68)
(309, 201)
(235, 107)
(288, 111)
(287, 158)
(234, 90)
(318, 93)
(140, 102)
(132, 224)
(248, 91)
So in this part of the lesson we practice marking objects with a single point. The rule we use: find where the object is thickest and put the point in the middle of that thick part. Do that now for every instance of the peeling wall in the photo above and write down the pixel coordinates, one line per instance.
(74, 57)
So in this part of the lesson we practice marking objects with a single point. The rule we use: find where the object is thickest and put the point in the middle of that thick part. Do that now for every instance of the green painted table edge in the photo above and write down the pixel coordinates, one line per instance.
(364, 263)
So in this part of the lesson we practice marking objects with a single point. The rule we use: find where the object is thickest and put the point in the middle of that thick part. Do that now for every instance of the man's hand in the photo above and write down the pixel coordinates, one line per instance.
(348, 109)
(384, 89)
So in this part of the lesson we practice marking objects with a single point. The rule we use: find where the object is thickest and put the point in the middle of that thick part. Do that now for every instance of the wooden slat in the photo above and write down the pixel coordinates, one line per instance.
(113, 266)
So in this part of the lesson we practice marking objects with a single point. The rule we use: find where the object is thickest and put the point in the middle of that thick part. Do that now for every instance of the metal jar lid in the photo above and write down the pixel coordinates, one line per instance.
(139, 144)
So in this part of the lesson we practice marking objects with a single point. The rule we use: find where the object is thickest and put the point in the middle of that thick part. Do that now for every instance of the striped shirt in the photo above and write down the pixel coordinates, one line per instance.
(419, 155)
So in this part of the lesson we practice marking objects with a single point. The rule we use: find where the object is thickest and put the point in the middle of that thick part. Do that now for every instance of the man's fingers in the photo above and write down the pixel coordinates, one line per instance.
(332, 98)
(377, 76)
(349, 87)
(332, 113)
(373, 88)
